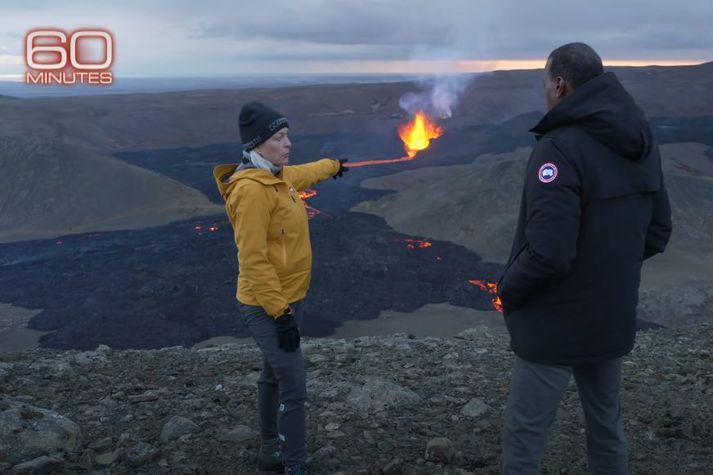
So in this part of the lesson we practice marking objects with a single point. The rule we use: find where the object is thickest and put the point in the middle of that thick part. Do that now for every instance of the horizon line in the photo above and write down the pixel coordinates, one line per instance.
(411, 68)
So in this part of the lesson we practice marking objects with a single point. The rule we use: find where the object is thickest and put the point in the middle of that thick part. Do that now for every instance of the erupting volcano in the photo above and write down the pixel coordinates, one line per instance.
(416, 136)
(492, 288)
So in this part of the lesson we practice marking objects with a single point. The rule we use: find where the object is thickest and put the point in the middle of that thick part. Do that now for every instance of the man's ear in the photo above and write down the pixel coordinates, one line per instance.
(561, 87)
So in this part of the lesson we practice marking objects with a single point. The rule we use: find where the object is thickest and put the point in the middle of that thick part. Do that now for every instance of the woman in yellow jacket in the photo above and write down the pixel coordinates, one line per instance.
(275, 264)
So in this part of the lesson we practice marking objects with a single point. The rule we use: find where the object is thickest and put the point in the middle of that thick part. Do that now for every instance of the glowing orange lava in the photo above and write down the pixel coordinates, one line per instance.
(417, 243)
(417, 134)
(377, 162)
(492, 288)
(200, 229)
(306, 194)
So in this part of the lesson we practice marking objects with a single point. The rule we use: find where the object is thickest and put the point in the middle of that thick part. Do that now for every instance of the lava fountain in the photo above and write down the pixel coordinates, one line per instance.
(416, 136)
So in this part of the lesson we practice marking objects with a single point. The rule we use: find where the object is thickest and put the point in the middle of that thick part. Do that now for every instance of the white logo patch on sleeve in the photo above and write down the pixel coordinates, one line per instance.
(547, 173)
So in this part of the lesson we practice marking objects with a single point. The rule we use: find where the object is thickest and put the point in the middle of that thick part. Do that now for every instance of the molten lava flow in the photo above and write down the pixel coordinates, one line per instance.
(416, 136)
(199, 228)
(377, 162)
(492, 288)
(306, 194)
(414, 243)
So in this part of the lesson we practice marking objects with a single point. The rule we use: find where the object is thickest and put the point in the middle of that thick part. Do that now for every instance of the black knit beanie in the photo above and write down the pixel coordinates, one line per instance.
(258, 122)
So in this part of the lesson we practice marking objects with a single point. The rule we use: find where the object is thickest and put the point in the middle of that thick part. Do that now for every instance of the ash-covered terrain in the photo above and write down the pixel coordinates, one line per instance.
(377, 405)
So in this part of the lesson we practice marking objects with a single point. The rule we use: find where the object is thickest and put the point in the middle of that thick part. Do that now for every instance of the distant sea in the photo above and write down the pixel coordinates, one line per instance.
(148, 85)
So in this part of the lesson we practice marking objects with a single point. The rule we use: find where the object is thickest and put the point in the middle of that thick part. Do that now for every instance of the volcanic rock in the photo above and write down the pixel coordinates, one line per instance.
(395, 467)
(147, 396)
(42, 465)
(377, 394)
(27, 431)
(4, 371)
(239, 434)
(411, 390)
(475, 408)
(101, 444)
(325, 452)
(142, 454)
(108, 458)
(176, 427)
(440, 449)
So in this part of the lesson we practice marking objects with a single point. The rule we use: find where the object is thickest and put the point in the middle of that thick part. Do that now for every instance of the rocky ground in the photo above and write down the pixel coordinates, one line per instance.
(394, 405)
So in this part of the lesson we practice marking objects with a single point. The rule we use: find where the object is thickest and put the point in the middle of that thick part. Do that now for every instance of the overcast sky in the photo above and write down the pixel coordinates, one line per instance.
(187, 38)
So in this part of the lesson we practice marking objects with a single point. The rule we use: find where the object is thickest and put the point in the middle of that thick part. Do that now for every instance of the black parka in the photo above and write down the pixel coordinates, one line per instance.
(594, 206)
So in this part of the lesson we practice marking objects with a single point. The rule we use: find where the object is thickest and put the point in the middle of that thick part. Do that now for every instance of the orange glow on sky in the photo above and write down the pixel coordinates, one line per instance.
(467, 66)
(430, 67)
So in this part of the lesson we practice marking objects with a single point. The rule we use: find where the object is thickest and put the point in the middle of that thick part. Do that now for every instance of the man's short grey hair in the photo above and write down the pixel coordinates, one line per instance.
(576, 63)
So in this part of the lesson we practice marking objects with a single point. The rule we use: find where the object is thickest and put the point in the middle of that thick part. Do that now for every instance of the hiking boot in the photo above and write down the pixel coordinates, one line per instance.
(269, 458)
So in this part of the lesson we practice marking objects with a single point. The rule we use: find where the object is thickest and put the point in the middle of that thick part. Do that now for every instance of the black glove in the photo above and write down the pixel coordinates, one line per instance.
(288, 333)
(342, 169)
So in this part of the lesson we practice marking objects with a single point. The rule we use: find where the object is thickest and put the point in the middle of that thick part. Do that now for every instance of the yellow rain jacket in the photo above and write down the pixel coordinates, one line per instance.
(271, 230)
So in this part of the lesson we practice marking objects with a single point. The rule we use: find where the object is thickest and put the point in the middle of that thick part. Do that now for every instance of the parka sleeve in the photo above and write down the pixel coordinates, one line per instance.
(309, 174)
(659, 230)
(552, 197)
(249, 208)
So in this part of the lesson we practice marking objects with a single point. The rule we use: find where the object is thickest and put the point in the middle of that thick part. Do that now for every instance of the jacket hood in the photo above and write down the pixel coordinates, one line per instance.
(228, 175)
(607, 112)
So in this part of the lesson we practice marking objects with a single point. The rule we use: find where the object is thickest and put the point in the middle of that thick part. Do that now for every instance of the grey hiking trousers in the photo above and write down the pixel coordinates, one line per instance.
(532, 405)
(282, 386)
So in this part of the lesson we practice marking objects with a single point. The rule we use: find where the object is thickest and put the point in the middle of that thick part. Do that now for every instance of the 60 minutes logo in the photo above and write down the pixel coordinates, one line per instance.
(55, 56)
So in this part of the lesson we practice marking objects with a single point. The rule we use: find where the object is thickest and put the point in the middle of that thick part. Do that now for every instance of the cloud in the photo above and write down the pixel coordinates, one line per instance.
(337, 22)
(225, 37)
(471, 29)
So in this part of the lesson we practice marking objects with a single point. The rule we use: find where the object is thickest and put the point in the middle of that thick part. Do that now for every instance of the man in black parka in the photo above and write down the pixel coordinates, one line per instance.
(593, 208)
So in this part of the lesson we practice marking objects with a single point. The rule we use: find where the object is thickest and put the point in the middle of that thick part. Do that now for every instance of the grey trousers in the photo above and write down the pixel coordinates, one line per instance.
(282, 386)
(532, 405)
